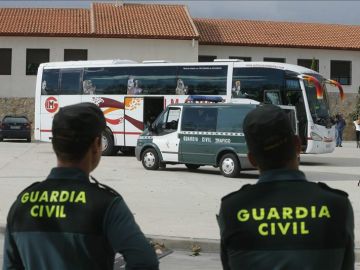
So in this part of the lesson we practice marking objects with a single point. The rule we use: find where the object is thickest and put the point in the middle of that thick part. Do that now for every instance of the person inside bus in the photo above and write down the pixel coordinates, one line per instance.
(237, 92)
(283, 221)
(133, 86)
(88, 87)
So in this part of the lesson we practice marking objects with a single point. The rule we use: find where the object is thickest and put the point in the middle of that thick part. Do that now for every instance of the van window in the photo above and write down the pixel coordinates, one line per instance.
(168, 122)
(231, 119)
(199, 119)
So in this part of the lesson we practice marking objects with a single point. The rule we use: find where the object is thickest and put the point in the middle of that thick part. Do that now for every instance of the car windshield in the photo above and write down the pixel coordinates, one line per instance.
(319, 108)
(15, 120)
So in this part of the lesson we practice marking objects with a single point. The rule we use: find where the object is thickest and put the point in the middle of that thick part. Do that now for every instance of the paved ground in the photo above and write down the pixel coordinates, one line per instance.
(171, 202)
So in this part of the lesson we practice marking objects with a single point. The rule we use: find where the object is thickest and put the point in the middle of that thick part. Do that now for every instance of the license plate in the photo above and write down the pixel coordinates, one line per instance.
(15, 127)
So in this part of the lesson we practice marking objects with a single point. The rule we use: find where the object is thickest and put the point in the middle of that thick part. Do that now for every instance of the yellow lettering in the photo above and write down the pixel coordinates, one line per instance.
(81, 197)
(260, 216)
(54, 196)
(324, 212)
(313, 211)
(72, 195)
(44, 197)
(303, 230)
(243, 215)
(25, 197)
(284, 229)
(41, 210)
(33, 212)
(64, 196)
(273, 213)
(301, 212)
(294, 228)
(62, 212)
(49, 210)
(287, 213)
(262, 229)
(272, 228)
(34, 196)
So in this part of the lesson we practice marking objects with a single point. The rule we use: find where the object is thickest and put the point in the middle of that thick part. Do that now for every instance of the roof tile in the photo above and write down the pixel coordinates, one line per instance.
(278, 34)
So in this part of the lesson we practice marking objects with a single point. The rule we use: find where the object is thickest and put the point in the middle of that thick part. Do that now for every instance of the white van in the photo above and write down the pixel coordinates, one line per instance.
(197, 135)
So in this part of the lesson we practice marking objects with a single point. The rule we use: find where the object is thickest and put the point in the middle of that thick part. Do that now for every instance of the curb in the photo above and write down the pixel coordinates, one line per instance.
(187, 243)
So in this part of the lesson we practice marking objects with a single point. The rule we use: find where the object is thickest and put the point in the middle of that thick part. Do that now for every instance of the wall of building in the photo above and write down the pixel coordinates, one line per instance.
(292, 55)
(20, 85)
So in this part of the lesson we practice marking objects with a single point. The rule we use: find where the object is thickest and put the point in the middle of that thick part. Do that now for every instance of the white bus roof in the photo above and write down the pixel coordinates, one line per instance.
(284, 66)
(104, 63)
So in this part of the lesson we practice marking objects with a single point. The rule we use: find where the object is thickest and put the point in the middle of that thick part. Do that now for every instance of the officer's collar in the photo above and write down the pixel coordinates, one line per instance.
(281, 175)
(68, 173)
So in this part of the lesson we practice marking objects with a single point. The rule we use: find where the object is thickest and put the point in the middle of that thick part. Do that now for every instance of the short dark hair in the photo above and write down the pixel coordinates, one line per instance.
(74, 129)
(269, 137)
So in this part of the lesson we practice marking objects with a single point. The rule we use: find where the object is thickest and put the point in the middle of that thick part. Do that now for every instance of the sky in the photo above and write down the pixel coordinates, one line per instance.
(332, 12)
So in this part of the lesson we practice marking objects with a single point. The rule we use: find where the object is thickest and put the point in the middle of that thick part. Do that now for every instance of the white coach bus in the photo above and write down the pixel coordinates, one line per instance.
(131, 94)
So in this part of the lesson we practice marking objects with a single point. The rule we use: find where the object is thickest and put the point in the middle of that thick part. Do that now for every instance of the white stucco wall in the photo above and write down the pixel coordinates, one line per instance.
(20, 85)
(291, 56)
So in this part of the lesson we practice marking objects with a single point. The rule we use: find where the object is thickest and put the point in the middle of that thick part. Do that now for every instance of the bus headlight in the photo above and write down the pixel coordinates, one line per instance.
(315, 136)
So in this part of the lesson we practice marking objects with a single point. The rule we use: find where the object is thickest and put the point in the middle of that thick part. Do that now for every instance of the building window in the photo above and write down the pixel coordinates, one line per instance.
(34, 57)
(75, 55)
(341, 71)
(5, 63)
(309, 63)
(272, 59)
(206, 58)
(244, 58)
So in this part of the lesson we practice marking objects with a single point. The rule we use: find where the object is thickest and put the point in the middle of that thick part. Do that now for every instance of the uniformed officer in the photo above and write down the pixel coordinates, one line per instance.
(283, 221)
(67, 221)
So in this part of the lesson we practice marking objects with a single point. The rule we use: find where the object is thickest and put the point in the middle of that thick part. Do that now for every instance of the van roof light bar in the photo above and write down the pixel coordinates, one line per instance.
(204, 99)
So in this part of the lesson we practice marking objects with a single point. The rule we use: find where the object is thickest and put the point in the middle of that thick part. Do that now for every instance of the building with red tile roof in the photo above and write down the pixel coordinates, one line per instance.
(278, 34)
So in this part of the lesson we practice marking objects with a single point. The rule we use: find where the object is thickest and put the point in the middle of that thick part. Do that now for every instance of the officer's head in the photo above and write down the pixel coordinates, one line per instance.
(77, 132)
(270, 138)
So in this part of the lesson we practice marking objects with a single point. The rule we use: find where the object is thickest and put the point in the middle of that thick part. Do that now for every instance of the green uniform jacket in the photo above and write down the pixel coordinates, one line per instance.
(285, 222)
(67, 222)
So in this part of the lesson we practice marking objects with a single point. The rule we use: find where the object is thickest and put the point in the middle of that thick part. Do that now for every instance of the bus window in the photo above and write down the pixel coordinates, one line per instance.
(108, 80)
(70, 82)
(272, 97)
(203, 80)
(50, 82)
(230, 119)
(150, 80)
(254, 81)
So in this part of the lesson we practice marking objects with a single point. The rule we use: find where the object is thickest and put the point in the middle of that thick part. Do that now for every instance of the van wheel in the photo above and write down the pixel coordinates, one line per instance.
(229, 165)
(192, 166)
(150, 159)
(107, 143)
(28, 139)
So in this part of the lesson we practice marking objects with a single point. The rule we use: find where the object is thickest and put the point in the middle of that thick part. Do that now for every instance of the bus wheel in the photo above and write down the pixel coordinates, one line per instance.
(150, 159)
(192, 166)
(229, 165)
(107, 143)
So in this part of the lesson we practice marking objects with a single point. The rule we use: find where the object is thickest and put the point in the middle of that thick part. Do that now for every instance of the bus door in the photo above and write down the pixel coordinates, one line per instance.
(153, 106)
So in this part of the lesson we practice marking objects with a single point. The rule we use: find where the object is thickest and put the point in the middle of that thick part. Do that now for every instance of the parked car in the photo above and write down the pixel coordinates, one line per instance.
(15, 127)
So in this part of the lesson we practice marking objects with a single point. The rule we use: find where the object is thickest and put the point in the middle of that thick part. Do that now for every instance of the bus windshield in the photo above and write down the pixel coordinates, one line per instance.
(319, 108)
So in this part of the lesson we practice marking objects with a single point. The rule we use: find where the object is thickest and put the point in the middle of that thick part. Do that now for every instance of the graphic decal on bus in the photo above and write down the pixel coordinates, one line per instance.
(111, 105)
(51, 104)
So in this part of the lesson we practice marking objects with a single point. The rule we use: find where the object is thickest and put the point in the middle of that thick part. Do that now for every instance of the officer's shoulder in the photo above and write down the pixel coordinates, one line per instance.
(106, 189)
(29, 187)
(333, 190)
(237, 192)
